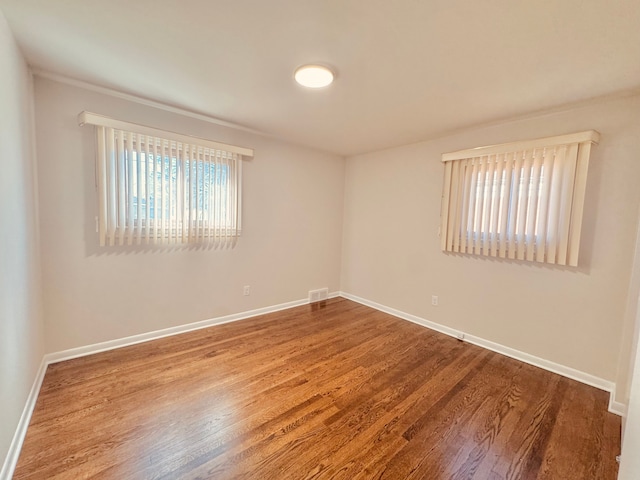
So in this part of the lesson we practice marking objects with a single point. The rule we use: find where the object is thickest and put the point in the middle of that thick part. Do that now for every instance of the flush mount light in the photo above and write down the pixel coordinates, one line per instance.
(313, 76)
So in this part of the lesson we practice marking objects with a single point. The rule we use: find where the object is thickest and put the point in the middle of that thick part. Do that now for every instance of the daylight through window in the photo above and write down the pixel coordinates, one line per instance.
(160, 187)
(521, 200)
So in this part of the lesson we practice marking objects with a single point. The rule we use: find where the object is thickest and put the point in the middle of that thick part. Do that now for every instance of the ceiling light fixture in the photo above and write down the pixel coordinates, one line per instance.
(313, 76)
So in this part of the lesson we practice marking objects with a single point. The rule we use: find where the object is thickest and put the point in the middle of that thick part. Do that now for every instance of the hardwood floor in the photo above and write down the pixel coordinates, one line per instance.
(336, 391)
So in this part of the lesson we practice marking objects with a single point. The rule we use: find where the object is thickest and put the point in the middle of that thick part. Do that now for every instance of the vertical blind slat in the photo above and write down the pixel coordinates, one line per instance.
(525, 204)
(189, 187)
(129, 206)
(444, 210)
(121, 184)
(138, 185)
(457, 210)
(454, 238)
(523, 190)
(209, 210)
(170, 197)
(453, 206)
(163, 197)
(157, 152)
(193, 189)
(488, 202)
(532, 207)
(218, 200)
(554, 204)
(184, 201)
(206, 193)
(477, 222)
(112, 198)
(504, 208)
(176, 213)
(514, 206)
(160, 196)
(543, 205)
(200, 205)
(214, 203)
(472, 206)
(102, 184)
(202, 209)
(464, 220)
(146, 183)
(154, 190)
(238, 170)
(495, 207)
(579, 190)
(564, 213)
(226, 204)
(234, 220)
(196, 194)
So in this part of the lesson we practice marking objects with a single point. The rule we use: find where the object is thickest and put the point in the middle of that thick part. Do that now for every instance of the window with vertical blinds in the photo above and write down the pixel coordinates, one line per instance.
(520, 200)
(165, 188)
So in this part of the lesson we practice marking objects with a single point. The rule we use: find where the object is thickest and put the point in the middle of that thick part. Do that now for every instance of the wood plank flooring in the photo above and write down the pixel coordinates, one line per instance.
(332, 391)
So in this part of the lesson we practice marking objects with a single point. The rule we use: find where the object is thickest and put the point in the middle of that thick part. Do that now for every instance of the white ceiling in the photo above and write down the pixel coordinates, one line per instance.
(407, 70)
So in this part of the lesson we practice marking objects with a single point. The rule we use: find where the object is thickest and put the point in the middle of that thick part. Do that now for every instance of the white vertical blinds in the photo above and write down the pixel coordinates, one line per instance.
(520, 200)
(157, 187)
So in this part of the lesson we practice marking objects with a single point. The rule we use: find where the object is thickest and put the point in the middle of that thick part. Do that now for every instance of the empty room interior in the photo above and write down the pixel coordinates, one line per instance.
(319, 239)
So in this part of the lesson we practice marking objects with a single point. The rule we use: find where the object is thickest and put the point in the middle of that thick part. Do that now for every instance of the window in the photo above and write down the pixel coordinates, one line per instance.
(161, 187)
(520, 200)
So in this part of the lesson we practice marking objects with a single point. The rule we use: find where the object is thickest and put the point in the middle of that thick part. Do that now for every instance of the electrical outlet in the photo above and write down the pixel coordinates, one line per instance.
(246, 291)
(434, 300)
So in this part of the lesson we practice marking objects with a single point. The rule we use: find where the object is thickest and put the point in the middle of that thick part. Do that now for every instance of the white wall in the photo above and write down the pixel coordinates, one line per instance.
(385, 248)
(291, 241)
(20, 318)
(571, 316)
(630, 461)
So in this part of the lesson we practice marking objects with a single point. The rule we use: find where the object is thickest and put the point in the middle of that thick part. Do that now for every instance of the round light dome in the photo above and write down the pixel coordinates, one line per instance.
(313, 76)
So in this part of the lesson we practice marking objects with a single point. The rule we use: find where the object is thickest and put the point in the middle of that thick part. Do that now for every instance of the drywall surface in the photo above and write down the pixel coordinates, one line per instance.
(291, 239)
(571, 316)
(21, 328)
(630, 461)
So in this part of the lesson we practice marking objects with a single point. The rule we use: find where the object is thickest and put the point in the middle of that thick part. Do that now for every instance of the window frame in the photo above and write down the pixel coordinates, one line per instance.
(565, 160)
(193, 209)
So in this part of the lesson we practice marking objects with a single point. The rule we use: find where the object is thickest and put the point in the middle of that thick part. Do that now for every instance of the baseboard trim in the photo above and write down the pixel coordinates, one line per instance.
(619, 408)
(13, 454)
(11, 460)
(586, 378)
(167, 332)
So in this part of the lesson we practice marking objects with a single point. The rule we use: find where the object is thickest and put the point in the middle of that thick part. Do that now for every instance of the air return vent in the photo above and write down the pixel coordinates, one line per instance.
(318, 295)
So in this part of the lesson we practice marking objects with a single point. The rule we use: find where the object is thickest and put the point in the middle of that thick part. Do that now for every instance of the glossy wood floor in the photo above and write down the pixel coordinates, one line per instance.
(316, 392)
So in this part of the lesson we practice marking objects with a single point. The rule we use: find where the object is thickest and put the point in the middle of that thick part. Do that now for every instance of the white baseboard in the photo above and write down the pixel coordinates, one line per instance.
(600, 383)
(619, 408)
(11, 459)
(16, 444)
(167, 332)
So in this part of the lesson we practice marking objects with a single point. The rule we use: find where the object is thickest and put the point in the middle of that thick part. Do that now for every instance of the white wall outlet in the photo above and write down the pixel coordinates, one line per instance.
(434, 300)
(246, 290)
